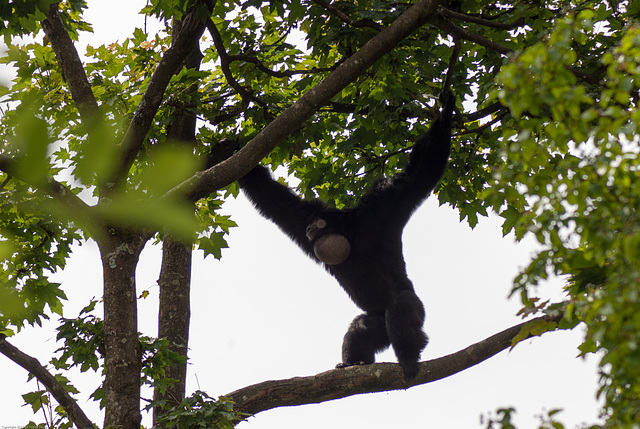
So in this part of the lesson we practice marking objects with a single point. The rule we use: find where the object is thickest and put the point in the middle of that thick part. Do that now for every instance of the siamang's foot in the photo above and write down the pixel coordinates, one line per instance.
(410, 370)
(346, 365)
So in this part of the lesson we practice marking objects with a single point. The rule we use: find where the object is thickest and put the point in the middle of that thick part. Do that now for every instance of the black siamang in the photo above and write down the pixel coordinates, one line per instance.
(362, 246)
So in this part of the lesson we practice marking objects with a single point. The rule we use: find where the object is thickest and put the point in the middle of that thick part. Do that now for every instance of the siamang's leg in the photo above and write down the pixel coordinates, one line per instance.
(366, 336)
(405, 317)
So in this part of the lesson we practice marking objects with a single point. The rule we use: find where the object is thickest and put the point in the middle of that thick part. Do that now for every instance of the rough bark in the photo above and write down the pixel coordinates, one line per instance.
(174, 312)
(380, 377)
(120, 250)
(72, 68)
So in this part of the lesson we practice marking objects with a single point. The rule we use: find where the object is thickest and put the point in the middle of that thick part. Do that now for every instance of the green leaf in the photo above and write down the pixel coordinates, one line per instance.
(213, 244)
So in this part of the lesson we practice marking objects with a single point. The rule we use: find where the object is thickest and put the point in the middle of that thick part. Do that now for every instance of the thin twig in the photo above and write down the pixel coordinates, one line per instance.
(482, 21)
(444, 24)
(224, 65)
(346, 18)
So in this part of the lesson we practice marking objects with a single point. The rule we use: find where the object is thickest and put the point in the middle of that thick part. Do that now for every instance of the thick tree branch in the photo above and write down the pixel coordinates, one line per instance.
(119, 252)
(380, 377)
(72, 68)
(77, 416)
(191, 30)
(204, 183)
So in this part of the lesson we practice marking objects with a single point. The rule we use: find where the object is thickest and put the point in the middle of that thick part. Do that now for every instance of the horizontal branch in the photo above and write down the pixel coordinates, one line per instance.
(441, 22)
(482, 21)
(494, 107)
(77, 416)
(275, 73)
(380, 377)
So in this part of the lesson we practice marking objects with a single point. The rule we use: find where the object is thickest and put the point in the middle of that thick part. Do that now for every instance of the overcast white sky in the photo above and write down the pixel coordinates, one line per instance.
(266, 311)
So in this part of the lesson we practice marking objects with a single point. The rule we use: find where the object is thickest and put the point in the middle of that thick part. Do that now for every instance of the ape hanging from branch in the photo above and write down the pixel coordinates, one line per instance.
(361, 246)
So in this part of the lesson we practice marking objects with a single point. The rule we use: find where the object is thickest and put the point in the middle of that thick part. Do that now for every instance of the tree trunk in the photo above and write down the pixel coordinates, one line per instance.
(175, 274)
(175, 311)
(120, 251)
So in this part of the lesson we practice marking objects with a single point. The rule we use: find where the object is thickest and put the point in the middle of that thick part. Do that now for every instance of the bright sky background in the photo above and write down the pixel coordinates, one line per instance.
(266, 311)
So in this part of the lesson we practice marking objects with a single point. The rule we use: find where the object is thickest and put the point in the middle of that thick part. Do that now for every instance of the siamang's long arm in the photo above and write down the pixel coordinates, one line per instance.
(401, 194)
(429, 156)
(280, 204)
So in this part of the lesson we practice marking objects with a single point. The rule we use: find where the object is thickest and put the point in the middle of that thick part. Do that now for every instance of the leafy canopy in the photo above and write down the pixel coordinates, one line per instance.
(547, 138)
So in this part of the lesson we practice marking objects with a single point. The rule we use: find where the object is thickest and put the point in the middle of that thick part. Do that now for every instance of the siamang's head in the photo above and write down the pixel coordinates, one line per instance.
(329, 245)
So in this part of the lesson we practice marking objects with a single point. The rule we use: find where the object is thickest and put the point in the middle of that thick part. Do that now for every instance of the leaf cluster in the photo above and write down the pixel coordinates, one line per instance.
(569, 177)
(32, 246)
(22, 17)
(200, 410)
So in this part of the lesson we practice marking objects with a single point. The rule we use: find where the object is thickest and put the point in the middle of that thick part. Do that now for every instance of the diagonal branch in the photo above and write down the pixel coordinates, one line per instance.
(72, 68)
(77, 416)
(381, 377)
(226, 172)
(192, 28)
(71, 202)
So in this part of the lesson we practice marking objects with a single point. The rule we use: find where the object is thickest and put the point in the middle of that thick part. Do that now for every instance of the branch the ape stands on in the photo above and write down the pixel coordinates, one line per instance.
(326, 386)
(378, 377)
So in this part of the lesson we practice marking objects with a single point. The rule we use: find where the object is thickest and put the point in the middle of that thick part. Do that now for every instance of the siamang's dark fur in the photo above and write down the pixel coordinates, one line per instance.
(374, 274)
